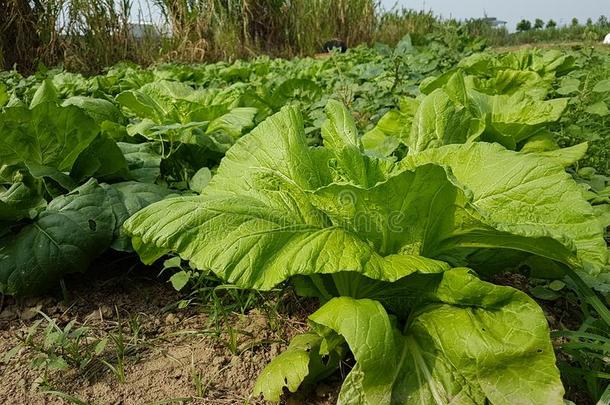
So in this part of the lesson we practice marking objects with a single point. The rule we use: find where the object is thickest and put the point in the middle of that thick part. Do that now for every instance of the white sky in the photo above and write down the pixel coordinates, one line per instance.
(562, 11)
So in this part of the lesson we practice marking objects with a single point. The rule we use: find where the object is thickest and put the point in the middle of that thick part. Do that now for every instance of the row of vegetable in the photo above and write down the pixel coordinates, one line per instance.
(391, 184)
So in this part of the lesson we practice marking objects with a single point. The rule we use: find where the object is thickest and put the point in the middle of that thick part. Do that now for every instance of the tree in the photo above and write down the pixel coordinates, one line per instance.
(602, 21)
(551, 24)
(589, 22)
(575, 22)
(538, 24)
(524, 25)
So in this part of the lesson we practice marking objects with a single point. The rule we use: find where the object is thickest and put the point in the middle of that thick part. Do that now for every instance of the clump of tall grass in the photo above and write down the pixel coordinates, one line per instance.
(83, 35)
(89, 35)
(394, 24)
(19, 34)
(212, 29)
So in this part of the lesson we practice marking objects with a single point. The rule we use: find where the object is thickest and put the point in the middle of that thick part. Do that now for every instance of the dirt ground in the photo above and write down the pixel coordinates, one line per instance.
(174, 356)
(195, 355)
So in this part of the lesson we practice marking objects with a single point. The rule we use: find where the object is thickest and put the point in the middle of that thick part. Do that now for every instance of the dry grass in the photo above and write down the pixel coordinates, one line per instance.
(88, 35)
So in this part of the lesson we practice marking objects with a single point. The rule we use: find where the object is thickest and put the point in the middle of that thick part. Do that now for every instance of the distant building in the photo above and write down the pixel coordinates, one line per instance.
(494, 22)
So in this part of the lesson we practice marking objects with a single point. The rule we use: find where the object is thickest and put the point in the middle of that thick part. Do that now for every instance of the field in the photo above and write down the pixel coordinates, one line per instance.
(425, 223)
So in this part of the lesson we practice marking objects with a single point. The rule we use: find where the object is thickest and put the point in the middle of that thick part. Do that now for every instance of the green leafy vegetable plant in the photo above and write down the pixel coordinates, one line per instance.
(392, 237)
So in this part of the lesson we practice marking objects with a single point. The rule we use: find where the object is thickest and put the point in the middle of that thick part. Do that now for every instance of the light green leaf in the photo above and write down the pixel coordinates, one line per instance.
(600, 108)
(565, 156)
(155, 101)
(568, 86)
(392, 129)
(234, 122)
(441, 121)
(307, 359)
(247, 234)
(377, 144)
(99, 109)
(300, 89)
(466, 342)
(200, 180)
(457, 113)
(47, 135)
(174, 262)
(274, 210)
(513, 119)
(603, 86)
(46, 93)
(341, 139)
(510, 81)
(530, 195)
(179, 280)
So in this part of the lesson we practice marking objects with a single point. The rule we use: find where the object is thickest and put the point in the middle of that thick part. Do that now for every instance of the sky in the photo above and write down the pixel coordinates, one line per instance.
(512, 11)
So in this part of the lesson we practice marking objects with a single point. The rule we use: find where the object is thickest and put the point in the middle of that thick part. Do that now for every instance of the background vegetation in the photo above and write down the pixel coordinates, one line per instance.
(87, 35)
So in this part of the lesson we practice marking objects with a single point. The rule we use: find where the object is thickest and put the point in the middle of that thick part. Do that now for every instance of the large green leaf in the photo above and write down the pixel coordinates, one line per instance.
(277, 209)
(392, 129)
(348, 162)
(222, 132)
(158, 101)
(173, 102)
(174, 112)
(72, 231)
(464, 342)
(46, 136)
(530, 194)
(510, 81)
(17, 200)
(512, 119)
(456, 112)
(65, 237)
(99, 109)
(440, 120)
(102, 159)
(45, 93)
(125, 200)
(258, 213)
(143, 160)
(301, 89)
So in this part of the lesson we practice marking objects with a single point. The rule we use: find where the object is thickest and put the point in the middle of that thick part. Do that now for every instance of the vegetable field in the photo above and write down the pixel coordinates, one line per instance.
(419, 224)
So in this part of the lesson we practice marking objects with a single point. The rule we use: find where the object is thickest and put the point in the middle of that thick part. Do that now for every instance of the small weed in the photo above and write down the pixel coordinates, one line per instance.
(55, 348)
(81, 348)
(65, 397)
(585, 360)
(197, 377)
(231, 341)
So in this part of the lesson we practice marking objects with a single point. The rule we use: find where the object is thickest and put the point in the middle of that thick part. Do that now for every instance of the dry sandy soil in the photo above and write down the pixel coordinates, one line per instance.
(171, 351)
(172, 355)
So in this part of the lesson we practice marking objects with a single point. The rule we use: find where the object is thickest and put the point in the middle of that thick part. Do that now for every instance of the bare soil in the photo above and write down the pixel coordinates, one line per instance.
(180, 355)
(173, 356)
